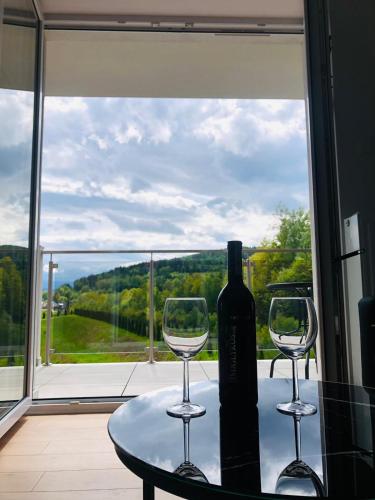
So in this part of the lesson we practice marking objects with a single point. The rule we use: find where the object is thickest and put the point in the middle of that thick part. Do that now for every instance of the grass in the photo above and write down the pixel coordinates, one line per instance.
(77, 339)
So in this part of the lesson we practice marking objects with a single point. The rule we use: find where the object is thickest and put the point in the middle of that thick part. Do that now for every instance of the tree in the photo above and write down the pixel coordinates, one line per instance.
(65, 294)
(294, 232)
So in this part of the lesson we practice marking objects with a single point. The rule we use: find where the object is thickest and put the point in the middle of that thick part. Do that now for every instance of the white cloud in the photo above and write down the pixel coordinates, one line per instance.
(100, 141)
(65, 105)
(162, 133)
(154, 131)
(119, 189)
(132, 133)
(64, 185)
(16, 111)
(202, 230)
(150, 162)
(243, 128)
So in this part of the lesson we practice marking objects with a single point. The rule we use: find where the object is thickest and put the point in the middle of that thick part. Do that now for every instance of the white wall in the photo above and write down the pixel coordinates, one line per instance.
(93, 64)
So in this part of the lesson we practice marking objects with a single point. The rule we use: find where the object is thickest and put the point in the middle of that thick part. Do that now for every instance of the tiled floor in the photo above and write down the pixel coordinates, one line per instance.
(129, 379)
(65, 457)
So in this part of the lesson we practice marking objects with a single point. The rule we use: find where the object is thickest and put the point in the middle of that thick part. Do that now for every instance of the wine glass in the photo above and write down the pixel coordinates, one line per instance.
(293, 328)
(187, 469)
(298, 478)
(185, 330)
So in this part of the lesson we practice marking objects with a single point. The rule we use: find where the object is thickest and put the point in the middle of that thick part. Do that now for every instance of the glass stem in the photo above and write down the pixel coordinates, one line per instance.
(295, 381)
(297, 436)
(186, 441)
(186, 382)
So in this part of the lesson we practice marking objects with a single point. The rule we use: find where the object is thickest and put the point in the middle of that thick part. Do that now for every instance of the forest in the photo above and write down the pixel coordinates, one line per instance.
(13, 290)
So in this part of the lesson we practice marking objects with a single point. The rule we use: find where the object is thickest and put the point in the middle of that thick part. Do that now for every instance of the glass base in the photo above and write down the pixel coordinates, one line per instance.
(181, 410)
(298, 408)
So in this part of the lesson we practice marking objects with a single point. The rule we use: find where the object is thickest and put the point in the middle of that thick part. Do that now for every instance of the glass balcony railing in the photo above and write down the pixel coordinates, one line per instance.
(106, 306)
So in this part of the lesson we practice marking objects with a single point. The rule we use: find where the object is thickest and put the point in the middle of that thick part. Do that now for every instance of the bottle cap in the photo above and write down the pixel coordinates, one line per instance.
(234, 243)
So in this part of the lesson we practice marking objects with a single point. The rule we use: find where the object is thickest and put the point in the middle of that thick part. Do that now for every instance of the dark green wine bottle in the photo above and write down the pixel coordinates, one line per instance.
(238, 379)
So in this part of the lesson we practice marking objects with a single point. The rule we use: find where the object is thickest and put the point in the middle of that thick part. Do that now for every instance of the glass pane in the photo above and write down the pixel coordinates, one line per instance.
(17, 62)
(99, 315)
(189, 275)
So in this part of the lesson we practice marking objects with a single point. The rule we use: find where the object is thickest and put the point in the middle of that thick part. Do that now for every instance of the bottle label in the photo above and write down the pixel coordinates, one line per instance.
(232, 348)
(239, 328)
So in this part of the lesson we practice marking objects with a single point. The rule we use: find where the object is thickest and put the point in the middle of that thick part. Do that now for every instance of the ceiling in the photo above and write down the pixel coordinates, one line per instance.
(179, 65)
(232, 8)
(97, 12)
(174, 48)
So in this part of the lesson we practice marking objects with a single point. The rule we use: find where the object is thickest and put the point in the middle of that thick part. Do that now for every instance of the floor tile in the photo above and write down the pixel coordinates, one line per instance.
(59, 462)
(77, 390)
(166, 372)
(45, 374)
(118, 494)
(163, 495)
(18, 481)
(211, 369)
(88, 480)
(134, 388)
(96, 373)
(61, 434)
(22, 447)
(70, 446)
(79, 421)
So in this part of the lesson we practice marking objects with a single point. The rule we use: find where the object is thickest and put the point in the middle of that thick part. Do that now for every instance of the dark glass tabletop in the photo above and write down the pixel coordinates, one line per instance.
(242, 452)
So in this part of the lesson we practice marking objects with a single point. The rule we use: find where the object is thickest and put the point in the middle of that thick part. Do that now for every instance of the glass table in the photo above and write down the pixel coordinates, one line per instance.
(243, 452)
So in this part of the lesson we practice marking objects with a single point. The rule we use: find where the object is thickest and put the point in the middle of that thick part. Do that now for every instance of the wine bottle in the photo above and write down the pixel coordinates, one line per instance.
(237, 335)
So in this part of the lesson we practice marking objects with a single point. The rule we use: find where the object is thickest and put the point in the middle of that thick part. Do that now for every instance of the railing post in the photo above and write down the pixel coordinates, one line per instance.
(151, 311)
(51, 267)
(248, 273)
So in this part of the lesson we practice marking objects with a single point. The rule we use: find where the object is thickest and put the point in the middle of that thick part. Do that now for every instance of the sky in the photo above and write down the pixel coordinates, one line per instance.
(16, 112)
(136, 173)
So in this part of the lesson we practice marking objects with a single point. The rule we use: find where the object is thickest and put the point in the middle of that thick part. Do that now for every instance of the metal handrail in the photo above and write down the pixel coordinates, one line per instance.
(52, 265)
(194, 250)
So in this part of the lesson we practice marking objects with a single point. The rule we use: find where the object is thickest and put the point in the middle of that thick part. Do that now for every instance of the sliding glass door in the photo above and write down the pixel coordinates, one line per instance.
(18, 41)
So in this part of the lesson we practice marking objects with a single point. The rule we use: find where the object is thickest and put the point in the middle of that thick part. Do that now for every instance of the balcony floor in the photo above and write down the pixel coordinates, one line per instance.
(130, 379)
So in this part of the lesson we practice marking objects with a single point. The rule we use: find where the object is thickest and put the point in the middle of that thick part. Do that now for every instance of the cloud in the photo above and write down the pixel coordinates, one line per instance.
(169, 173)
(100, 141)
(132, 133)
(126, 223)
(16, 111)
(63, 105)
(243, 127)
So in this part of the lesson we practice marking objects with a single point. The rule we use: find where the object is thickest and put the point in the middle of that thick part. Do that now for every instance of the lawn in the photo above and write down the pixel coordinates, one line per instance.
(77, 339)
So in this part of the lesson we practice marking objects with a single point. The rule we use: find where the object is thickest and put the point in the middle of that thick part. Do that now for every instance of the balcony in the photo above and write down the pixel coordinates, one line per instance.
(103, 337)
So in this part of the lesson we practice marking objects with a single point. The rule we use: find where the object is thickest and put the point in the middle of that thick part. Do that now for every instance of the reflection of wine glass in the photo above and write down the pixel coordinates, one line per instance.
(293, 328)
(185, 330)
(298, 478)
(187, 469)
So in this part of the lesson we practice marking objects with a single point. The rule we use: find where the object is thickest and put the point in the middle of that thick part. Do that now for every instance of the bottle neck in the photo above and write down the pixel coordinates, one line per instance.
(235, 263)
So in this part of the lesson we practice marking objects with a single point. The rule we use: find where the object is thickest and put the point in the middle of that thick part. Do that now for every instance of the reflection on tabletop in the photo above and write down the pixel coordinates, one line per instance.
(298, 478)
(187, 469)
(259, 450)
